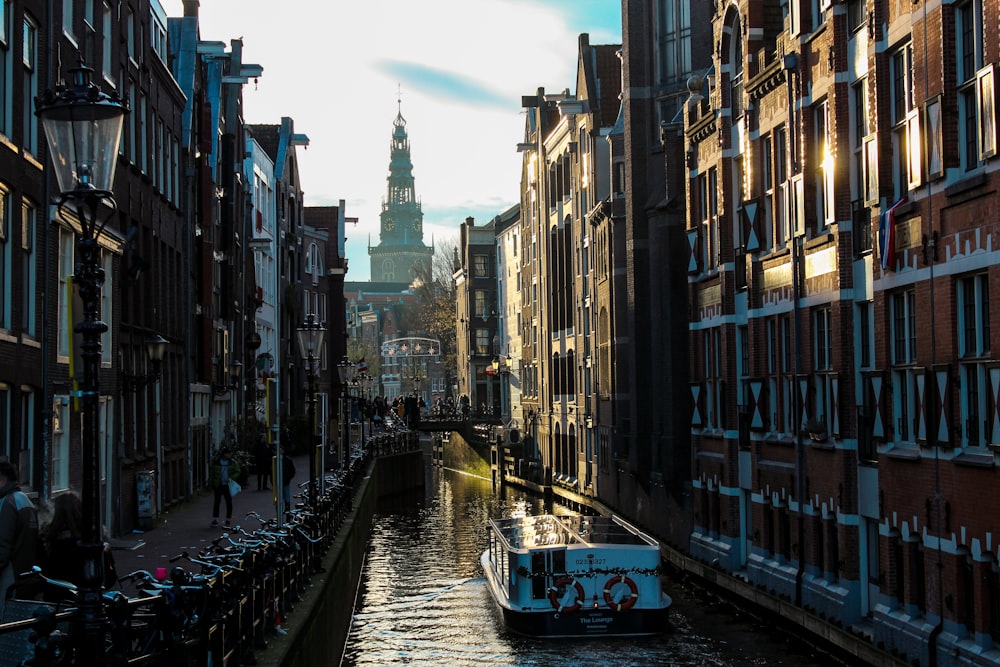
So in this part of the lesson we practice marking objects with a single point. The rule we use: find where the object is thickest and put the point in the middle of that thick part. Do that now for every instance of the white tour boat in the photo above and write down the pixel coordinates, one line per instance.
(571, 576)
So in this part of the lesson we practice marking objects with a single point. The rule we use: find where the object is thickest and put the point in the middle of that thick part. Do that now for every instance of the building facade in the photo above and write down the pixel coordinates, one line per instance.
(840, 161)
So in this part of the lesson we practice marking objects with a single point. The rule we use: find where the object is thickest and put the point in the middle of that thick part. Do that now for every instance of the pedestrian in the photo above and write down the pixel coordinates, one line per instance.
(287, 475)
(18, 531)
(262, 461)
(61, 556)
(224, 470)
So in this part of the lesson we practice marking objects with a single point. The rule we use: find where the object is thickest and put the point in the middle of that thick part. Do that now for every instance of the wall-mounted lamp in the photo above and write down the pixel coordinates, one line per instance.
(156, 349)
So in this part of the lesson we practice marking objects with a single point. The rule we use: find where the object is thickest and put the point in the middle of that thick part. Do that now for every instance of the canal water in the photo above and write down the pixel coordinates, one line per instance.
(423, 599)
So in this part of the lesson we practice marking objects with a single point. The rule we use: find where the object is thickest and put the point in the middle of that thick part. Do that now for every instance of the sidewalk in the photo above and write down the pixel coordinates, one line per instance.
(187, 527)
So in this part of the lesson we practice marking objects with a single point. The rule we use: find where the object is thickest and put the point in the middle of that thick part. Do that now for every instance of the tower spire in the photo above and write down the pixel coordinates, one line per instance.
(401, 238)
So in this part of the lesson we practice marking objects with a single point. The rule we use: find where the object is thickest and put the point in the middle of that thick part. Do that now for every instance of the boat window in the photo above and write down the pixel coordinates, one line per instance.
(538, 590)
(559, 561)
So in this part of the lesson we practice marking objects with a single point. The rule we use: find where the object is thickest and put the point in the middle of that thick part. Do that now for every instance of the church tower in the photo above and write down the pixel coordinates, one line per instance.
(401, 234)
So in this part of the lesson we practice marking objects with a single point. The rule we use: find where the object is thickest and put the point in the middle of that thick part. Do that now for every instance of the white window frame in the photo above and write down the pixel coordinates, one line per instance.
(29, 267)
(59, 464)
(29, 62)
(67, 252)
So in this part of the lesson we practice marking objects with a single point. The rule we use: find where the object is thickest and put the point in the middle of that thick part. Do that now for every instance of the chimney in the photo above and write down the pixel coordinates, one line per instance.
(191, 7)
(470, 221)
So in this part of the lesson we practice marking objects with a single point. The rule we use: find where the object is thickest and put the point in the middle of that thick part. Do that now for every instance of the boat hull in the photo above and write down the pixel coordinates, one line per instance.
(585, 622)
(602, 622)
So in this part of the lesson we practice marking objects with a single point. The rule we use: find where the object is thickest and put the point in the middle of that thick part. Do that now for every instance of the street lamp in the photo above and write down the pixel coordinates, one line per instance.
(310, 336)
(345, 369)
(83, 126)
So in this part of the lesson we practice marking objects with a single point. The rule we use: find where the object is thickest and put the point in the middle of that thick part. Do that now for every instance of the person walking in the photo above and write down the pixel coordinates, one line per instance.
(287, 475)
(224, 469)
(263, 463)
(61, 555)
(18, 531)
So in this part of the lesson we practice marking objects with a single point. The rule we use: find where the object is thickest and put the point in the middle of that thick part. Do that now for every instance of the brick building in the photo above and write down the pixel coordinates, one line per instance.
(841, 197)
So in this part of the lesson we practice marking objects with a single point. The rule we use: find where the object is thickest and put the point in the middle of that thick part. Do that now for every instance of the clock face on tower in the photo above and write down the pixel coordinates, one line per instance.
(389, 224)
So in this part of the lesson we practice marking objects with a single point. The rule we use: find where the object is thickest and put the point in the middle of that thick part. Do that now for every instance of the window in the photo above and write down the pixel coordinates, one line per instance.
(106, 23)
(673, 40)
(777, 376)
(27, 440)
(736, 69)
(781, 200)
(482, 341)
(5, 421)
(60, 443)
(903, 108)
(767, 185)
(66, 258)
(29, 271)
(142, 134)
(6, 92)
(482, 266)
(708, 207)
(158, 36)
(107, 313)
(5, 260)
(67, 19)
(619, 179)
(823, 339)
(130, 33)
(481, 307)
(969, 47)
(29, 59)
(743, 332)
(824, 167)
(131, 123)
(973, 347)
(865, 334)
(856, 14)
(905, 390)
(714, 383)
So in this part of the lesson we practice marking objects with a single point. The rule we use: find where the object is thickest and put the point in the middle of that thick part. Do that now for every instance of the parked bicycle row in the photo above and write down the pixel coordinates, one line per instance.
(216, 607)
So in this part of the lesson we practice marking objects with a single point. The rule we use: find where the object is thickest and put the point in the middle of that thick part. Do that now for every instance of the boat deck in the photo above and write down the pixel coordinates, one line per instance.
(548, 530)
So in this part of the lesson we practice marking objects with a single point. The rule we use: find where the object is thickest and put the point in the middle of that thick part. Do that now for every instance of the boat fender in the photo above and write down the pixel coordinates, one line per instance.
(629, 601)
(557, 588)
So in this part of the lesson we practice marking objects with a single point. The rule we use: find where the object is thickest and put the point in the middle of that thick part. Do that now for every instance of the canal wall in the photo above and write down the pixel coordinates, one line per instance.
(318, 626)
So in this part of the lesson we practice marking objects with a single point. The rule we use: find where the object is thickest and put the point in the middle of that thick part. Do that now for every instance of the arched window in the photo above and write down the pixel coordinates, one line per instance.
(388, 270)
(735, 59)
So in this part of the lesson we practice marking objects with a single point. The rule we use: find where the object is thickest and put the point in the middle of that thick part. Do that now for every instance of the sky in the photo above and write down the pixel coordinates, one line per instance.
(458, 67)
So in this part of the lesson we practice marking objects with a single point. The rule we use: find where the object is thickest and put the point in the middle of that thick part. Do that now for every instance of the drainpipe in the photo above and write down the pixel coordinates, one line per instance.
(790, 64)
(930, 257)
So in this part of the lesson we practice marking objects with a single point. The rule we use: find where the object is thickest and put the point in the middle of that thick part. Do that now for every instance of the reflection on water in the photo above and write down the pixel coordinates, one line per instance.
(423, 600)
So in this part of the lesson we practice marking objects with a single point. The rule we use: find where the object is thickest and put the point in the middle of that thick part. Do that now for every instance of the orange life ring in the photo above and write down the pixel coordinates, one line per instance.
(555, 589)
(628, 602)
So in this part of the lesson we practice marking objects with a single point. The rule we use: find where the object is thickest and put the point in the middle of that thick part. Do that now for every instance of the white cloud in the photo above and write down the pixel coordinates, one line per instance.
(462, 66)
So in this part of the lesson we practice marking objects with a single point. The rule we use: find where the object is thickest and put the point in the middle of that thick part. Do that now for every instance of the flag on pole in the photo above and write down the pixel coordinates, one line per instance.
(887, 236)
(362, 365)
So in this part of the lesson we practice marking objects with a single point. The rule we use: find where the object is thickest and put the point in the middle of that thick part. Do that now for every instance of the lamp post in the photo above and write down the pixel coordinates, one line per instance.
(310, 336)
(83, 127)
(345, 369)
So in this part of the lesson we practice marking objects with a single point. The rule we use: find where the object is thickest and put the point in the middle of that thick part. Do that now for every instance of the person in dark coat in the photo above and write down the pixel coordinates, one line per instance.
(18, 531)
(61, 554)
(223, 469)
(287, 475)
(262, 461)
